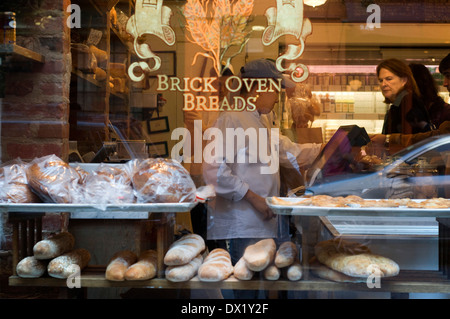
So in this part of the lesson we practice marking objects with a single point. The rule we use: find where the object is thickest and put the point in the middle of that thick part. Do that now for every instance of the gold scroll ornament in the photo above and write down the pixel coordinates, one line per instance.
(152, 18)
(283, 20)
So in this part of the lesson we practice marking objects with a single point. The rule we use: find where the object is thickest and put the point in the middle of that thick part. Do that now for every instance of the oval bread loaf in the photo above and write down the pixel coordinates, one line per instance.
(241, 270)
(293, 272)
(145, 268)
(324, 272)
(184, 272)
(184, 250)
(259, 255)
(118, 265)
(354, 259)
(286, 254)
(69, 263)
(272, 272)
(30, 267)
(54, 246)
(216, 267)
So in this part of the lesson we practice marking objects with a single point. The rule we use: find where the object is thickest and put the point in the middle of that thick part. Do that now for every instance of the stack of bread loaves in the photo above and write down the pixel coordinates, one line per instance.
(264, 257)
(344, 261)
(184, 258)
(126, 265)
(56, 255)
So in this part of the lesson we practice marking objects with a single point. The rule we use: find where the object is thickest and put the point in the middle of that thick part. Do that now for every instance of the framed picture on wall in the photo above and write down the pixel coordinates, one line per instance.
(158, 149)
(158, 125)
(168, 64)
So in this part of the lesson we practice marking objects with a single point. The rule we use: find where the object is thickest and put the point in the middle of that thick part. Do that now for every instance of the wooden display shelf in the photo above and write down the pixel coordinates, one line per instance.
(19, 52)
(408, 281)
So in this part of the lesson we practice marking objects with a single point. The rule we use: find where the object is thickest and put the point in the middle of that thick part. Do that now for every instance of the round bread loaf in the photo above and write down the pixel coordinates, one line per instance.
(158, 180)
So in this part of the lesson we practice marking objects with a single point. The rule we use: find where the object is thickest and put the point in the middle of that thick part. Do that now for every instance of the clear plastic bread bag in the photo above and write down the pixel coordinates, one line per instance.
(107, 184)
(160, 180)
(13, 183)
(52, 179)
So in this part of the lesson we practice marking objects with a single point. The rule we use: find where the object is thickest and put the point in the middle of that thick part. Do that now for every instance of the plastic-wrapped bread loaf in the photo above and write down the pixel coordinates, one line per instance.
(184, 250)
(184, 272)
(259, 255)
(272, 272)
(52, 179)
(216, 267)
(118, 265)
(145, 268)
(158, 180)
(286, 254)
(14, 185)
(69, 263)
(54, 246)
(30, 267)
(241, 270)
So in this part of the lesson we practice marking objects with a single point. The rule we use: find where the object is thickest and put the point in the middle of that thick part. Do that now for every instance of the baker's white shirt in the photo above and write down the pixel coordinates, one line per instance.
(229, 215)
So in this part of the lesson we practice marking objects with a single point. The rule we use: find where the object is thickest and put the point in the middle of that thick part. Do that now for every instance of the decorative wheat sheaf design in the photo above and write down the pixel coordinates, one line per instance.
(216, 26)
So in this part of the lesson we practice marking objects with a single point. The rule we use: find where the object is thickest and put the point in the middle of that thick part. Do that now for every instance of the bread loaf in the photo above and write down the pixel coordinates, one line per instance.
(272, 272)
(320, 270)
(30, 267)
(184, 250)
(54, 246)
(293, 272)
(241, 270)
(184, 272)
(259, 255)
(14, 185)
(286, 254)
(118, 265)
(144, 268)
(52, 179)
(216, 266)
(353, 259)
(69, 263)
(158, 180)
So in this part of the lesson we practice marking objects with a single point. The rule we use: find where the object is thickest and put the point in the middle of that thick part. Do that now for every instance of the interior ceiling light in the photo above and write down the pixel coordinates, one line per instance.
(314, 3)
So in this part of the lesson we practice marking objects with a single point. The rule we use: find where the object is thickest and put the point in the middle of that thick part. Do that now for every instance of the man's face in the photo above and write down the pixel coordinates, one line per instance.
(446, 74)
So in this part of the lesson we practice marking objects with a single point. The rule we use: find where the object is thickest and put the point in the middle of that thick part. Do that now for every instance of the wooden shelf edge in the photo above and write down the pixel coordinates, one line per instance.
(405, 282)
(19, 51)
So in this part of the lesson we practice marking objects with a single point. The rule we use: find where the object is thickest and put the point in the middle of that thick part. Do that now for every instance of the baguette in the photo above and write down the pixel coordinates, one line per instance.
(272, 272)
(216, 267)
(241, 270)
(54, 246)
(69, 263)
(286, 254)
(184, 250)
(259, 255)
(30, 267)
(144, 268)
(184, 272)
(118, 265)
